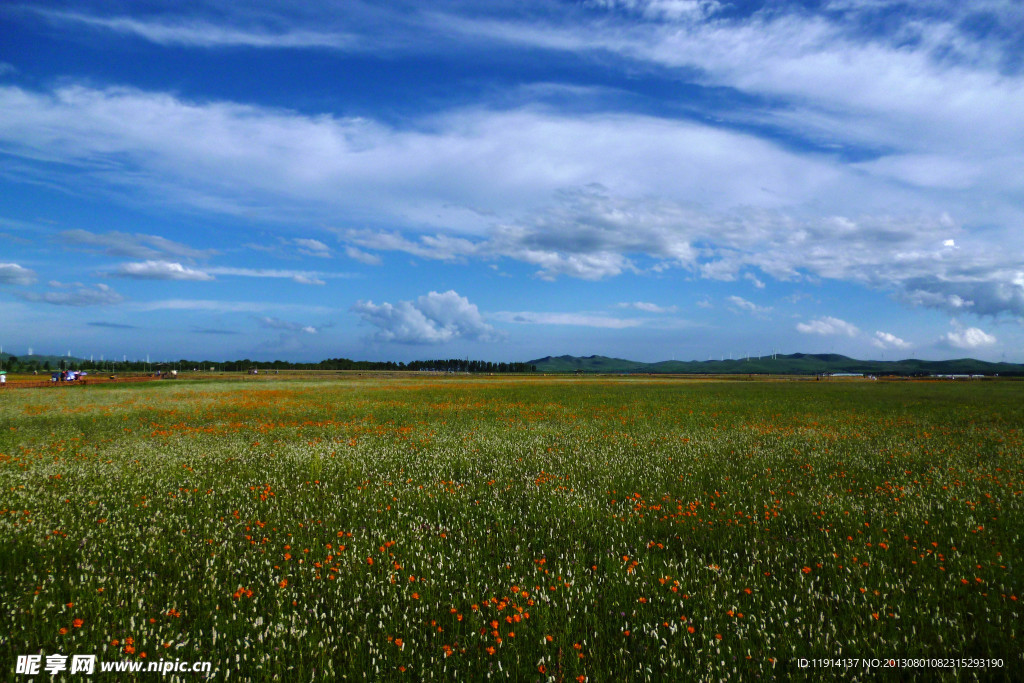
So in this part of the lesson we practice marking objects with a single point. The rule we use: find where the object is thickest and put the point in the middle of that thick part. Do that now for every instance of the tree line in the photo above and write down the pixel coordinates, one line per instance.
(15, 364)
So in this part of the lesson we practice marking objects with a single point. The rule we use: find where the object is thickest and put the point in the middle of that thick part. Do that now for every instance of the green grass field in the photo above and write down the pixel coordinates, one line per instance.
(531, 529)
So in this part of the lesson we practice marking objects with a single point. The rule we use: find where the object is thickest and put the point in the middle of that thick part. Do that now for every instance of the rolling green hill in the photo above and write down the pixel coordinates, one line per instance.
(791, 364)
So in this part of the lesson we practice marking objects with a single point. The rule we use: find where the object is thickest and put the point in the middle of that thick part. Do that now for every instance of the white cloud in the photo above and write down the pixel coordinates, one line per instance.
(753, 278)
(100, 295)
(671, 10)
(886, 340)
(431, 319)
(220, 306)
(160, 270)
(685, 194)
(575, 319)
(13, 274)
(307, 280)
(303, 277)
(311, 247)
(132, 245)
(648, 307)
(743, 305)
(828, 326)
(968, 338)
(278, 324)
(362, 256)
(204, 34)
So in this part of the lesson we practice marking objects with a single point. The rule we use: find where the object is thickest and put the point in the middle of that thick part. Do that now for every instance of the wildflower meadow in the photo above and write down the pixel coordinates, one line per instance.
(522, 528)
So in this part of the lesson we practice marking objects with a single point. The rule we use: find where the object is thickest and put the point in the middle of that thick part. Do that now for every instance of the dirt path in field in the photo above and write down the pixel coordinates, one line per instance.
(42, 384)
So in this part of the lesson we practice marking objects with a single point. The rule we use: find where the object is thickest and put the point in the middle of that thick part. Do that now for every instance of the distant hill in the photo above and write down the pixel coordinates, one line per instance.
(791, 364)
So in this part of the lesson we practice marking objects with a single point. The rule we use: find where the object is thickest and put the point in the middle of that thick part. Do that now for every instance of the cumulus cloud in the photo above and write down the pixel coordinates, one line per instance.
(160, 270)
(430, 319)
(13, 274)
(482, 182)
(886, 340)
(100, 295)
(828, 326)
(968, 338)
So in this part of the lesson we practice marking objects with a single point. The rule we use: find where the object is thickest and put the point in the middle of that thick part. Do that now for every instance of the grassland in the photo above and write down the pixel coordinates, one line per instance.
(532, 529)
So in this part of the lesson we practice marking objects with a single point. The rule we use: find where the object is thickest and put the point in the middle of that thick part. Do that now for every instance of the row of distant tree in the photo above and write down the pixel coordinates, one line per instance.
(15, 364)
(446, 365)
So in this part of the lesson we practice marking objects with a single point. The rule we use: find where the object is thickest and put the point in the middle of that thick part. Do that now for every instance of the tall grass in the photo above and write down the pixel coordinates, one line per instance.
(528, 529)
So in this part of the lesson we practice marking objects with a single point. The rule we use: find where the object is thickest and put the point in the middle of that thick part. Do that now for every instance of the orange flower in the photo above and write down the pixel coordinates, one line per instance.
(369, 561)
(548, 638)
(77, 623)
(806, 570)
(491, 650)
(690, 629)
(63, 631)
(398, 642)
(718, 636)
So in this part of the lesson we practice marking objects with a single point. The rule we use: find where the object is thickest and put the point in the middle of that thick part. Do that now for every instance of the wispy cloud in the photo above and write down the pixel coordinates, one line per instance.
(312, 247)
(303, 277)
(13, 274)
(740, 304)
(223, 306)
(113, 326)
(99, 295)
(132, 245)
(159, 270)
(648, 307)
(278, 324)
(205, 34)
(362, 256)
(574, 319)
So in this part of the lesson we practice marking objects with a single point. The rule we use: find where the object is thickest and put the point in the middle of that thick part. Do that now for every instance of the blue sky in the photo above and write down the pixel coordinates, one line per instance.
(500, 180)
